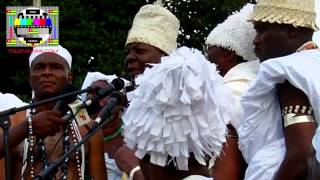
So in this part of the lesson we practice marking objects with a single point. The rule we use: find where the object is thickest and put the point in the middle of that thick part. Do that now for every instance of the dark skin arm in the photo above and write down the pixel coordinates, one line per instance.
(298, 137)
(230, 165)
(126, 161)
(96, 163)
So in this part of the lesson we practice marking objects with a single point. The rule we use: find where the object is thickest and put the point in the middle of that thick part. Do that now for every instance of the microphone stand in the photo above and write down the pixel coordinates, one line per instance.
(36, 104)
(47, 173)
(5, 124)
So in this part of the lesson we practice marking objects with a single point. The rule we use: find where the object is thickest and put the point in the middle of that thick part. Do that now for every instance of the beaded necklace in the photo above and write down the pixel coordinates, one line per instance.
(66, 146)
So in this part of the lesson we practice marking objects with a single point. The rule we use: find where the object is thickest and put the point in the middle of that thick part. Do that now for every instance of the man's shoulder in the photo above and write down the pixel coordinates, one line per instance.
(244, 72)
(312, 53)
(297, 59)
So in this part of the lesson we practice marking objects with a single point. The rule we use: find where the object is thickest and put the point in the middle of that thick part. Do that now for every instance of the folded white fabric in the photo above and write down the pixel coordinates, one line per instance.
(265, 163)
(316, 143)
(180, 107)
(8, 101)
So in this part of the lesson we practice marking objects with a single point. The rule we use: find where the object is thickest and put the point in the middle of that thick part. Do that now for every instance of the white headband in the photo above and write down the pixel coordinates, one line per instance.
(96, 76)
(61, 51)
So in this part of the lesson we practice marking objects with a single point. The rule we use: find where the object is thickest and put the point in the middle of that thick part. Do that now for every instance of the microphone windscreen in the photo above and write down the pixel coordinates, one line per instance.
(119, 96)
(118, 84)
(62, 104)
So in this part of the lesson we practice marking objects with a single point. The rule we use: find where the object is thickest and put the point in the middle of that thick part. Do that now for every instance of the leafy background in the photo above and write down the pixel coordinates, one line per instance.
(99, 28)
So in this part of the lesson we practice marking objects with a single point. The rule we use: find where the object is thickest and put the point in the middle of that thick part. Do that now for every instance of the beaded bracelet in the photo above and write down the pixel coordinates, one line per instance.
(297, 109)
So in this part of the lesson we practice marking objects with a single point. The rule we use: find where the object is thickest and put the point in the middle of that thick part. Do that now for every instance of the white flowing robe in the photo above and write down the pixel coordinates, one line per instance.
(261, 137)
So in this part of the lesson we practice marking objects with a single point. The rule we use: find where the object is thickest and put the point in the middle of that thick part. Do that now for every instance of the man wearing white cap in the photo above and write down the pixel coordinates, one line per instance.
(230, 47)
(282, 106)
(49, 73)
(112, 132)
(153, 34)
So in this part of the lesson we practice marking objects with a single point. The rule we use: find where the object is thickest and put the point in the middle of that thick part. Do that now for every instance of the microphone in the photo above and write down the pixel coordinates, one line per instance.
(116, 85)
(62, 104)
(116, 99)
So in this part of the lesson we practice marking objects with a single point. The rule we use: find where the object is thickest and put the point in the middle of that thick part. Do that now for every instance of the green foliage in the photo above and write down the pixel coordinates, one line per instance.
(199, 17)
(99, 28)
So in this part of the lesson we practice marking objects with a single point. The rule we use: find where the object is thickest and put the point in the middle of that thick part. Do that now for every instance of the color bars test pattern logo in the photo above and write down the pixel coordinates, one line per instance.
(31, 26)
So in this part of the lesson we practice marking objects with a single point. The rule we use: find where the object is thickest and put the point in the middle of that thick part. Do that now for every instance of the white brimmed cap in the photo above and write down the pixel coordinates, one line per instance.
(96, 76)
(59, 50)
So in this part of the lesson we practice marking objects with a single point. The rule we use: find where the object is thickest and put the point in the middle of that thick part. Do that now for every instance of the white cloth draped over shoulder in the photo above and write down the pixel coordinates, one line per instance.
(181, 106)
(238, 79)
(261, 138)
(8, 101)
(114, 173)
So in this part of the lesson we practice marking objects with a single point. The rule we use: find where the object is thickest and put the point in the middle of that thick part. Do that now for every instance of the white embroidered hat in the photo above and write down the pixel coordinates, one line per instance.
(96, 76)
(155, 25)
(235, 34)
(61, 51)
(299, 13)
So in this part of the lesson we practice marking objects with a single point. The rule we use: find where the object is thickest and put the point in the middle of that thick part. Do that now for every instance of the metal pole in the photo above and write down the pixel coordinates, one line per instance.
(36, 3)
(5, 125)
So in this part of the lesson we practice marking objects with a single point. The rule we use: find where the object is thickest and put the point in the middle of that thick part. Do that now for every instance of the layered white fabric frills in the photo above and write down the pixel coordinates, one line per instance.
(181, 106)
(261, 138)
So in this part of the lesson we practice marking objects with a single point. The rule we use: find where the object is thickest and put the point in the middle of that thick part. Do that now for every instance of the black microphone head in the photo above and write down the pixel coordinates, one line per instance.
(67, 89)
(118, 84)
(119, 96)
(62, 104)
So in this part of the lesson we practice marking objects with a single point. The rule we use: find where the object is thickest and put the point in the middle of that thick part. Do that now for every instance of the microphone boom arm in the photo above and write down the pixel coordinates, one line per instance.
(55, 164)
(104, 117)
(36, 104)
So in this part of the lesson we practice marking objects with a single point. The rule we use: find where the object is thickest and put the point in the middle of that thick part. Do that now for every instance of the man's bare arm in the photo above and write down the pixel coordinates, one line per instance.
(97, 165)
(298, 138)
(230, 165)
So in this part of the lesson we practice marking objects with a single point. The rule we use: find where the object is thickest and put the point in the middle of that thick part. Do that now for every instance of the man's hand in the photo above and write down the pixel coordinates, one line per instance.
(44, 124)
(47, 123)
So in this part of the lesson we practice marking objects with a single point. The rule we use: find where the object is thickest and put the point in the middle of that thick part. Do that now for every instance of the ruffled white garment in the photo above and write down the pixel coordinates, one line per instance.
(263, 124)
(181, 106)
